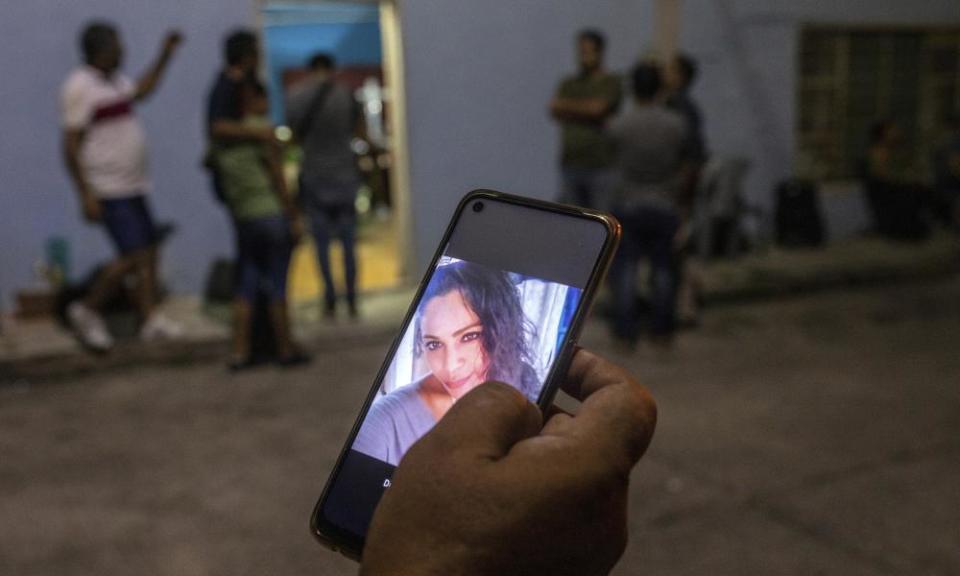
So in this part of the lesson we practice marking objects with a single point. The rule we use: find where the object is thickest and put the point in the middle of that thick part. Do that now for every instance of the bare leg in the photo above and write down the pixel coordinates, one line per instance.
(83, 314)
(688, 298)
(281, 329)
(146, 291)
(241, 330)
(108, 282)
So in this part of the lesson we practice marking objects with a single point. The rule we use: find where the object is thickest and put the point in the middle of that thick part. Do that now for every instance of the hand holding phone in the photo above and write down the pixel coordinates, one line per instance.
(488, 491)
(503, 300)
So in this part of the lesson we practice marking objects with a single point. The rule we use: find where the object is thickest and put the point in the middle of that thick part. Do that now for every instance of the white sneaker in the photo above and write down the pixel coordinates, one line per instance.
(160, 327)
(89, 327)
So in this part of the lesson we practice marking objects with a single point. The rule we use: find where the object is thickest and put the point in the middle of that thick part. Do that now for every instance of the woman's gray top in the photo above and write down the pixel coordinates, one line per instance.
(393, 424)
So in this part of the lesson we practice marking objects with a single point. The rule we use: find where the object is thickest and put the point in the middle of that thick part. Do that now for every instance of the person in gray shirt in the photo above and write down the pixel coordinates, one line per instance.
(470, 327)
(651, 161)
(325, 119)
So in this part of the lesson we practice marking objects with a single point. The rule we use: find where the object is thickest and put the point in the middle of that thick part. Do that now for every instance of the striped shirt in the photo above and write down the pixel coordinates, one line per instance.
(113, 153)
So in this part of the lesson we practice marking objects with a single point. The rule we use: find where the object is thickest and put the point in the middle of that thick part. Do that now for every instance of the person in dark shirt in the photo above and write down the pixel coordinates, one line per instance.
(225, 124)
(900, 204)
(267, 225)
(326, 118)
(946, 167)
(583, 102)
(679, 76)
(262, 235)
(651, 159)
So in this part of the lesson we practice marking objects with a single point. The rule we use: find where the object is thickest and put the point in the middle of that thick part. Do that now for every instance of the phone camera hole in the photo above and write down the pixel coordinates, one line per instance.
(478, 206)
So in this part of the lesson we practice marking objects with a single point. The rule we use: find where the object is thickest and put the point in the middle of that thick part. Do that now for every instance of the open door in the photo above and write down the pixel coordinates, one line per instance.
(364, 38)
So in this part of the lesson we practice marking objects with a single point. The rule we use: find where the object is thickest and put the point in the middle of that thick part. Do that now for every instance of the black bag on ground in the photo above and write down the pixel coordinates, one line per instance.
(219, 288)
(799, 219)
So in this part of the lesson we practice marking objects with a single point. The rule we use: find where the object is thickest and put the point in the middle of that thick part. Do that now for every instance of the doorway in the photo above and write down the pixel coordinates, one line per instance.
(364, 39)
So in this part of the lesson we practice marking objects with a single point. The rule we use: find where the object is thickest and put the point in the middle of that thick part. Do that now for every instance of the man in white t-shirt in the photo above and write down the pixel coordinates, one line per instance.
(105, 152)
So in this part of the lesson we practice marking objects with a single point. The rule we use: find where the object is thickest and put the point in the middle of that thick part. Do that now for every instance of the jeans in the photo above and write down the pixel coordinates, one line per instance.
(263, 258)
(588, 187)
(335, 222)
(648, 232)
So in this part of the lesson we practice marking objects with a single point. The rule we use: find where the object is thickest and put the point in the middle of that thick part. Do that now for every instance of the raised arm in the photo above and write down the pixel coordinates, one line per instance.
(148, 83)
(594, 110)
(570, 105)
(234, 130)
(224, 117)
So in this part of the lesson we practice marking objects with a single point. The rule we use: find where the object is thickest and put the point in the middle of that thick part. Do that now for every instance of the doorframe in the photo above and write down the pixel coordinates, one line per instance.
(394, 71)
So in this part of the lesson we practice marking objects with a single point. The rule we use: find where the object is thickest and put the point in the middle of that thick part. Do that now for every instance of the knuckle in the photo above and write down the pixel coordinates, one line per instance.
(642, 404)
(504, 394)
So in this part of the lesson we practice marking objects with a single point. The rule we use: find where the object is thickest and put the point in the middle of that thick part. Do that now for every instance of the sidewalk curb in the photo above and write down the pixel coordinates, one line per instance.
(769, 289)
(784, 274)
(62, 367)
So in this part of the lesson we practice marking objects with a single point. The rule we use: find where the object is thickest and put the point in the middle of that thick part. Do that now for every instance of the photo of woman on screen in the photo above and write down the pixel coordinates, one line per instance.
(469, 328)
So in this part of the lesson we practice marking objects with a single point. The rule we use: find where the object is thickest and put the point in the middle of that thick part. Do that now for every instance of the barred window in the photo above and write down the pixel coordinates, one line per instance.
(851, 78)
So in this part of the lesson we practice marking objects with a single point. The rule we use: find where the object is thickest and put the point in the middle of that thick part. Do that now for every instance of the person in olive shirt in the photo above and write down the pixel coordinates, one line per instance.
(267, 225)
(582, 104)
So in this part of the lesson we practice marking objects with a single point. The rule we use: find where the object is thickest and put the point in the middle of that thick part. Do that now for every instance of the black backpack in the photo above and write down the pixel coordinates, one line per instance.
(799, 219)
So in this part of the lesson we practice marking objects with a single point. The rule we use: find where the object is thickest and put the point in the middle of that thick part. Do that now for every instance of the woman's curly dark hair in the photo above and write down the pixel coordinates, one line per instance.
(495, 300)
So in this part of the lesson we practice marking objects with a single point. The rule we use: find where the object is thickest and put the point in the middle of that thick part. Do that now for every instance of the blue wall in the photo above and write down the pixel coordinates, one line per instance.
(479, 79)
(36, 198)
(294, 32)
(479, 76)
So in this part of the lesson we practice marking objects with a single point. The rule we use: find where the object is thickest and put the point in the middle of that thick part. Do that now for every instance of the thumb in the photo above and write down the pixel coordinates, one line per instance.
(488, 421)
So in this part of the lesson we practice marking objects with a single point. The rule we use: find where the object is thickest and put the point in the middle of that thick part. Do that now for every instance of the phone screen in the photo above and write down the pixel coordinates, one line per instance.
(498, 303)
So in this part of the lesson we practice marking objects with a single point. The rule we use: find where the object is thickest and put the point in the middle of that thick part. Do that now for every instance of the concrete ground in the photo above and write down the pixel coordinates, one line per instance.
(815, 435)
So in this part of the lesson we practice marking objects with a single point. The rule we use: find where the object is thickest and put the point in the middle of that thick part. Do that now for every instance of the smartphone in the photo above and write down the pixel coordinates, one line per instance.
(503, 299)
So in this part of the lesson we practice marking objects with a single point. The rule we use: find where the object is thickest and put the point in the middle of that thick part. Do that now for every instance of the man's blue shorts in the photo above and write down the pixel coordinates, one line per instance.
(129, 223)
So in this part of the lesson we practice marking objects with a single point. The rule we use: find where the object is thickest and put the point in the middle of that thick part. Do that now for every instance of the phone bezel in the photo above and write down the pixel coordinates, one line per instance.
(338, 540)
